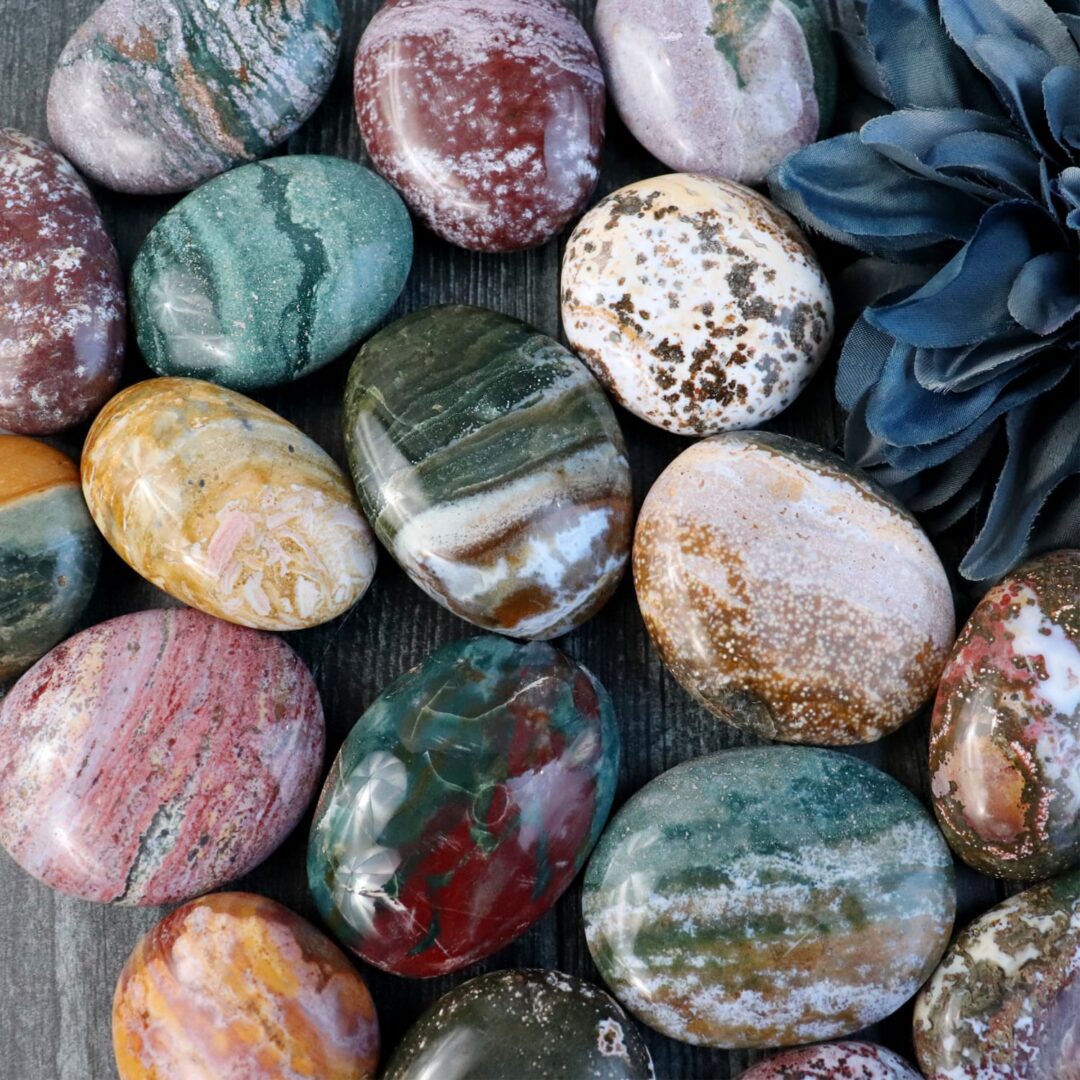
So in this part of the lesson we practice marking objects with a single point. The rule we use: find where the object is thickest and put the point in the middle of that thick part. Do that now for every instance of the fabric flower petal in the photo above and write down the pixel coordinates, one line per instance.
(1046, 292)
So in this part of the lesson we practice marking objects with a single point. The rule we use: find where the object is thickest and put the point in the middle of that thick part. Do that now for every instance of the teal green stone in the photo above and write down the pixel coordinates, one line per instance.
(270, 272)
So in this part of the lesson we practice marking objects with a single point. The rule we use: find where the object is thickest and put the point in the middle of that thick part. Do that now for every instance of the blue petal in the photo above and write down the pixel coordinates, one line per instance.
(997, 160)
(1061, 92)
(1027, 21)
(970, 366)
(866, 349)
(1046, 293)
(1067, 187)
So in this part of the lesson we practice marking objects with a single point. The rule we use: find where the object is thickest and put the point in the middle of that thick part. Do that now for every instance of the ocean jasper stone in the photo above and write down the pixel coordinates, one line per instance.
(1005, 1001)
(49, 551)
(235, 986)
(462, 805)
(61, 293)
(487, 115)
(768, 897)
(270, 272)
(530, 1025)
(154, 96)
(696, 302)
(226, 506)
(847, 1060)
(788, 593)
(723, 87)
(1005, 738)
(491, 465)
(156, 756)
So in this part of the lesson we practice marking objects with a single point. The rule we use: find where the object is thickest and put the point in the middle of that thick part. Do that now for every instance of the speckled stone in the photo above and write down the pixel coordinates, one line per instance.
(237, 987)
(487, 115)
(788, 593)
(1005, 737)
(768, 897)
(529, 1025)
(834, 1061)
(696, 302)
(1005, 1002)
(270, 272)
(226, 506)
(724, 87)
(61, 293)
(154, 96)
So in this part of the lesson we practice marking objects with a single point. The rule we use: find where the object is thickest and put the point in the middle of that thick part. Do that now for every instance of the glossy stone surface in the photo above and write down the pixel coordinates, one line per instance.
(491, 465)
(61, 293)
(487, 115)
(723, 87)
(530, 1025)
(1005, 737)
(237, 987)
(462, 805)
(1005, 1001)
(225, 505)
(833, 1061)
(270, 272)
(696, 302)
(49, 551)
(153, 96)
(789, 594)
(768, 897)
(156, 756)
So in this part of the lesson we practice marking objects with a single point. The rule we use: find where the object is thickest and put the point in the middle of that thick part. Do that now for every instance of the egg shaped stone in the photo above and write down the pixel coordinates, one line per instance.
(850, 1060)
(155, 96)
(769, 896)
(49, 551)
(271, 271)
(487, 115)
(492, 466)
(696, 302)
(61, 293)
(235, 985)
(1005, 736)
(788, 593)
(226, 506)
(531, 1025)
(462, 805)
(1005, 1001)
(728, 89)
(156, 756)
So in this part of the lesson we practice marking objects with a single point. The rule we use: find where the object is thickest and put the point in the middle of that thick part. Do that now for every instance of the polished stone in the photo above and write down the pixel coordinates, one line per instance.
(834, 1061)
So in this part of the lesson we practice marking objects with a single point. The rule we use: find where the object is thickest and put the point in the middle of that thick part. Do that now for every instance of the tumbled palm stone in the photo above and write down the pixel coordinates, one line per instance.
(529, 1025)
(1005, 1001)
(153, 96)
(49, 551)
(768, 897)
(1005, 738)
(491, 465)
(788, 593)
(462, 805)
(270, 272)
(833, 1061)
(225, 505)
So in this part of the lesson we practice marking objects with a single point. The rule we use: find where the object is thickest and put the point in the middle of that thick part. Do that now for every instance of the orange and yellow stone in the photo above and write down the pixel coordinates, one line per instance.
(226, 506)
(236, 987)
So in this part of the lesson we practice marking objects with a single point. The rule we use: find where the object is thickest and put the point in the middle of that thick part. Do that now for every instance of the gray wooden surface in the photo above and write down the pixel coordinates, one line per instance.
(59, 958)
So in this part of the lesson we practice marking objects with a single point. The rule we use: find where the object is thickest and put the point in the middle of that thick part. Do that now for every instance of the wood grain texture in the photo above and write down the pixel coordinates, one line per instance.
(59, 958)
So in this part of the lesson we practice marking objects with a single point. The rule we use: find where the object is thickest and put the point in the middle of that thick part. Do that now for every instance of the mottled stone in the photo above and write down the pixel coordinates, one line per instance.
(237, 987)
(834, 1061)
(154, 96)
(270, 272)
(788, 593)
(61, 293)
(462, 805)
(487, 115)
(49, 551)
(768, 897)
(723, 87)
(696, 302)
(491, 465)
(226, 506)
(1005, 1002)
(156, 756)
(1005, 737)
(529, 1025)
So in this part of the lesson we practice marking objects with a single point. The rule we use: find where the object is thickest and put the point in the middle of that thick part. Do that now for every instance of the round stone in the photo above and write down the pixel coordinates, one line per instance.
(788, 593)
(696, 302)
(768, 897)
(847, 1060)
